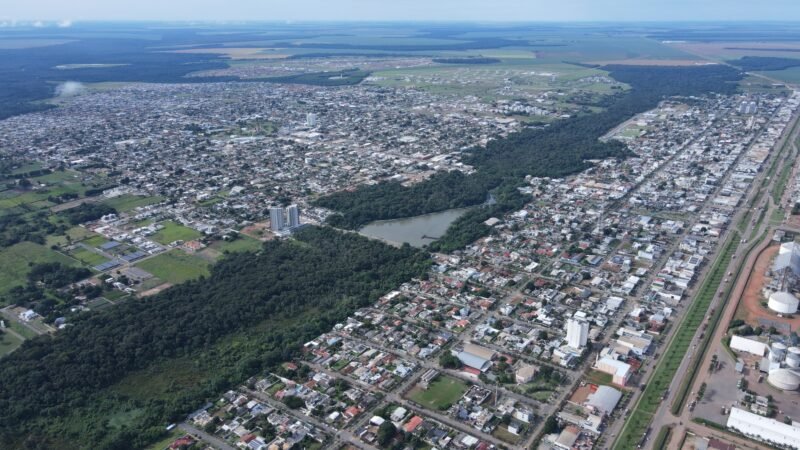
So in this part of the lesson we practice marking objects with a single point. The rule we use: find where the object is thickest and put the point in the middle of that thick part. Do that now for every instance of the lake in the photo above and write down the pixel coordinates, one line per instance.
(417, 231)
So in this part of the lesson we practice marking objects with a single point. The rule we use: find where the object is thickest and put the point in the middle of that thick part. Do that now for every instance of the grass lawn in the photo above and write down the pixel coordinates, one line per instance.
(175, 232)
(541, 396)
(502, 433)
(175, 266)
(76, 234)
(441, 394)
(15, 260)
(597, 377)
(8, 343)
(128, 202)
(95, 241)
(88, 257)
(243, 244)
(168, 439)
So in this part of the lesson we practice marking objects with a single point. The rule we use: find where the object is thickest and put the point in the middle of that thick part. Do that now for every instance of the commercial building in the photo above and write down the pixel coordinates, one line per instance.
(577, 333)
(620, 371)
(311, 119)
(765, 429)
(293, 214)
(276, 218)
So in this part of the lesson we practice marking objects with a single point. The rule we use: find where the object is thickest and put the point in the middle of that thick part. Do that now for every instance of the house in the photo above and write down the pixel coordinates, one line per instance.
(525, 374)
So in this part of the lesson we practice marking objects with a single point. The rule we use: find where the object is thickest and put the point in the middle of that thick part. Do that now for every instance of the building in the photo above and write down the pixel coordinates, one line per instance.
(476, 357)
(577, 333)
(293, 214)
(276, 218)
(525, 374)
(788, 258)
(742, 344)
(783, 302)
(620, 371)
(603, 400)
(765, 429)
(311, 119)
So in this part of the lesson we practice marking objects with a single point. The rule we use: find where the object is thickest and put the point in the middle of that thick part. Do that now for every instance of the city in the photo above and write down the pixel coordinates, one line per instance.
(473, 237)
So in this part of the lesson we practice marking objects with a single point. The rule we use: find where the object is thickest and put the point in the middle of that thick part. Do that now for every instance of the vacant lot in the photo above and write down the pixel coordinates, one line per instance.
(441, 394)
(8, 343)
(175, 266)
(15, 262)
(125, 203)
(175, 232)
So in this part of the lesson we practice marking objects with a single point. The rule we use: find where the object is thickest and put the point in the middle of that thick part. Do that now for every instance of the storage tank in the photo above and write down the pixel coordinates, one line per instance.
(793, 360)
(777, 352)
(784, 379)
(783, 303)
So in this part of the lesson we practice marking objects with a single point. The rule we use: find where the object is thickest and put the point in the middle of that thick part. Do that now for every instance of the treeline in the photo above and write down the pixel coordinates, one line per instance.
(20, 225)
(765, 63)
(87, 212)
(391, 200)
(558, 150)
(299, 289)
(342, 78)
(467, 60)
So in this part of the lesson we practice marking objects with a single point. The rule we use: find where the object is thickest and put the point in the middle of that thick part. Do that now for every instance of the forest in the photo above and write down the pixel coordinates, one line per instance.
(765, 63)
(60, 391)
(561, 149)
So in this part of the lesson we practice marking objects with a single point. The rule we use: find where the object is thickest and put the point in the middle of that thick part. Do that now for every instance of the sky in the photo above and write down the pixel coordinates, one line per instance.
(70, 11)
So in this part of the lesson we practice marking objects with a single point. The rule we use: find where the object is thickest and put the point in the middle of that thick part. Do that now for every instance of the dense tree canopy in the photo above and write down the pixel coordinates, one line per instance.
(302, 287)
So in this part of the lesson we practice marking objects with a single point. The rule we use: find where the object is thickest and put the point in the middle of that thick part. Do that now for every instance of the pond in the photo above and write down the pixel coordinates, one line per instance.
(417, 231)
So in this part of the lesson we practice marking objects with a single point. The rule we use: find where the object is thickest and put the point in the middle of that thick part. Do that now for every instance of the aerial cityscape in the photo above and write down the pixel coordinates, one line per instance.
(354, 226)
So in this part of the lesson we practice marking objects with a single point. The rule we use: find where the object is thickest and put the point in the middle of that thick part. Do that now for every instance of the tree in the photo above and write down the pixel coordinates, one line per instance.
(386, 432)
(293, 402)
(449, 361)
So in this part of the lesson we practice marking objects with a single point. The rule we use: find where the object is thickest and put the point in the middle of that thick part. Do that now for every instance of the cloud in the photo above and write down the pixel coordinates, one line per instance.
(69, 89)
(65, 23)
(38, 24)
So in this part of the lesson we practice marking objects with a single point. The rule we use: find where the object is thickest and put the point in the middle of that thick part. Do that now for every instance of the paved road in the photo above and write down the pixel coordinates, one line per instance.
(213, 440)
(664, 416)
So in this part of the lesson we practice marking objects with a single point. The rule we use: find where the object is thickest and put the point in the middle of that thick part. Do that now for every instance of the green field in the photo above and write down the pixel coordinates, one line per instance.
(175, 266)
(15, 262)
(667, 367)
(88, 257)
(441, 394)
(127, 202)
(8, 343)
(243, 244)
(175, 232)
(76, 234)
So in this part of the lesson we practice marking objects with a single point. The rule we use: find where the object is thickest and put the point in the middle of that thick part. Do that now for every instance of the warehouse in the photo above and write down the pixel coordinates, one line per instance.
(764, 429)
(741, 344)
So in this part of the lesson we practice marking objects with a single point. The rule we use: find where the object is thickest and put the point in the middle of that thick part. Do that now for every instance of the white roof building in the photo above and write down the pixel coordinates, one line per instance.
(603, 400)
(788, 257)
(751, 346)
(764, 428)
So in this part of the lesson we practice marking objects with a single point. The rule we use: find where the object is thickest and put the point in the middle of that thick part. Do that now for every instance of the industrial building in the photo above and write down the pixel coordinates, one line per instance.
(764, 429)
(743, 344)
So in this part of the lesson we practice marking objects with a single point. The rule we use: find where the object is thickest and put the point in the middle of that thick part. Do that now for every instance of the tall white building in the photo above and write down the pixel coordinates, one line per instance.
(577, 333)
(276, 218)
(311, 119)
(293, 214)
